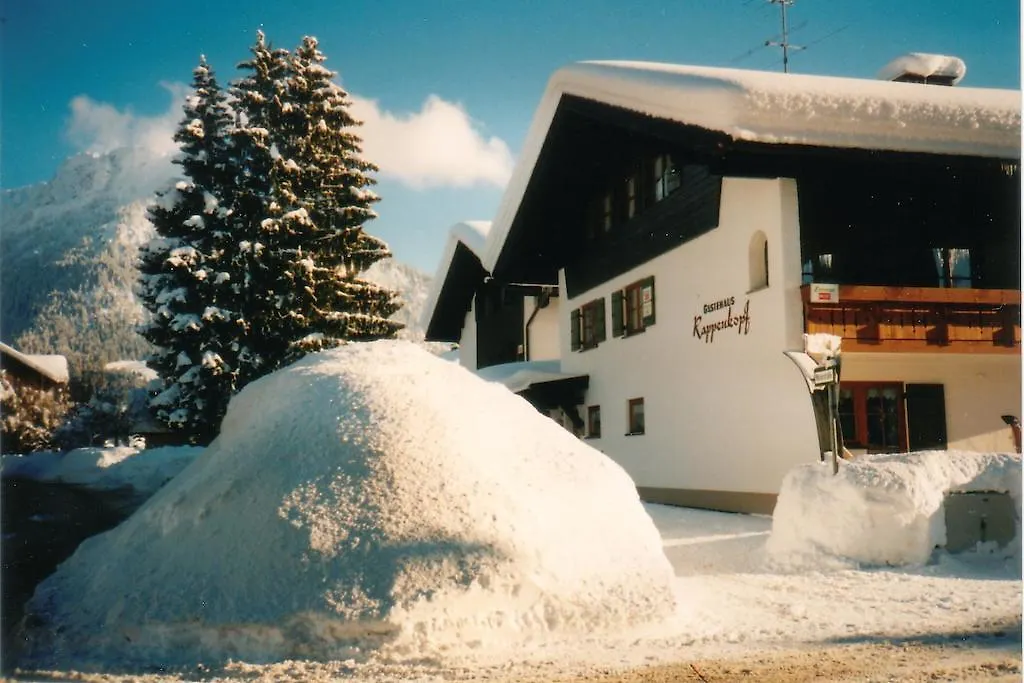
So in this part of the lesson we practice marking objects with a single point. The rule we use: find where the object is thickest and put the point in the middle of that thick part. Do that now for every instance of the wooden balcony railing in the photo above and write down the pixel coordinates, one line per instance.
(921, 319)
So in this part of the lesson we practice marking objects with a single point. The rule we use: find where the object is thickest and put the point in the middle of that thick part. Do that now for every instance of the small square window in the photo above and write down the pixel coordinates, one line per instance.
(636, 416)
(593, 422)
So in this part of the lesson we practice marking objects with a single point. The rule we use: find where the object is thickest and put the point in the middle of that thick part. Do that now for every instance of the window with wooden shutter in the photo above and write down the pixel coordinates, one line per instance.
(618, 328)
(592, 324)
(647, 302)
(639, 306)
(574, 330)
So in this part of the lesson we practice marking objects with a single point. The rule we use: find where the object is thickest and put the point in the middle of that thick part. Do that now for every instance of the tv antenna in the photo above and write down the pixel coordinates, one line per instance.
(784, 43)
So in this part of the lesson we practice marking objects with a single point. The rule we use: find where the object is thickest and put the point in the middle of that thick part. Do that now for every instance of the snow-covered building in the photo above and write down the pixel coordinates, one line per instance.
(694, 223)
(40, 371)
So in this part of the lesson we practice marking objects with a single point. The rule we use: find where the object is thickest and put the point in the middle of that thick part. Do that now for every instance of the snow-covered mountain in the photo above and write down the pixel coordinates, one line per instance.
(55, 236)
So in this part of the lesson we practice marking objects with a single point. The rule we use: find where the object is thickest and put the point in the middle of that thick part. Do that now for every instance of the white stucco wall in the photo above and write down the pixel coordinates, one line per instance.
(467, 342)
(543, 331)
(731, 414)
(979, 388)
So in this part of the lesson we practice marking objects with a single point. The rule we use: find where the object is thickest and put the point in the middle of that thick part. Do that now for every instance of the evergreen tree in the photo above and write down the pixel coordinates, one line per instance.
(306, 247)
(186, 275)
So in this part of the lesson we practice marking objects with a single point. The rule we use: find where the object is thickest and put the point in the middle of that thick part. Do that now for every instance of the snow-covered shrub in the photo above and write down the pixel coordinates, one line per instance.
(29, 415)
(106, 416)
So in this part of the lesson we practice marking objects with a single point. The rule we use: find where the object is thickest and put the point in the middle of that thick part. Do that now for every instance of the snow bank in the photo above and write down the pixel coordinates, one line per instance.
(123, 468)
(372, 500)
(881, 509)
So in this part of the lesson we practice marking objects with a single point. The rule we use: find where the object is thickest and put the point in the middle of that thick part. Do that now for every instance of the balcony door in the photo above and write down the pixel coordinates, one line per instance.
(873, 416)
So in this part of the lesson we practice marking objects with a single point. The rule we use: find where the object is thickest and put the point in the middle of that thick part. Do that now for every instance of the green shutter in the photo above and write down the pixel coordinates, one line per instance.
(618, 329)
(574, 330)
(600, 333)
(648, 318)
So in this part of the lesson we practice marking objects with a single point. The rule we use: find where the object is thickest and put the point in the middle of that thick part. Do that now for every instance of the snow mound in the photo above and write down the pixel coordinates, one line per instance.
(106, 469)
(881, 509)
(353, 508)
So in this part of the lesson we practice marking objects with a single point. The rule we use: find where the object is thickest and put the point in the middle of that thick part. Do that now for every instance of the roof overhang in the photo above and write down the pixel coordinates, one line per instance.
(763, 109)
(521, 376)
(458, 276)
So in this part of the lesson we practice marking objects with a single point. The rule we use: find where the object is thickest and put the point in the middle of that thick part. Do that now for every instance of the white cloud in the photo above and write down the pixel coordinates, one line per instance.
(440, 145)
(98, 127)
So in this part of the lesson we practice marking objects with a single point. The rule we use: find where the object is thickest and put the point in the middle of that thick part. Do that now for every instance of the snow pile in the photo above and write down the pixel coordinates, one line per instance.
(352, 508)
(882, 509)
(106, 469)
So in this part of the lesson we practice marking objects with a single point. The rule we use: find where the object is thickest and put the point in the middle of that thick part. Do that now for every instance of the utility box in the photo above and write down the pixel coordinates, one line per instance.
(974, 517)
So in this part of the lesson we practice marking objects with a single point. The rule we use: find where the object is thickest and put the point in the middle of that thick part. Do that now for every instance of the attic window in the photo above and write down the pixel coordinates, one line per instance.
(666, 177)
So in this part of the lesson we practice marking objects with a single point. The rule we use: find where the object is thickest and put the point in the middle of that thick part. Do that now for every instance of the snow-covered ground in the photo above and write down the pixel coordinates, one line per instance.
(509, 549)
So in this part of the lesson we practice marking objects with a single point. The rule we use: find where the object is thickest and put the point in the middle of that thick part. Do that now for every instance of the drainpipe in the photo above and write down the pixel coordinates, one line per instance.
(542, 302)
(1014, 424)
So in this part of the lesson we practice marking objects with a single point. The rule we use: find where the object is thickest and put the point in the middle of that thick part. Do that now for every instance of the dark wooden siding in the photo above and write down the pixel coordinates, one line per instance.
(691, 211)
(499, 325)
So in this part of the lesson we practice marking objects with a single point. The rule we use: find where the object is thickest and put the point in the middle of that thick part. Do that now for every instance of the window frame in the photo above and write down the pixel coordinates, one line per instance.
(594, 418)
(859, 439)
(628, 308)
(588, 326)
(666, 177)
(631, 425)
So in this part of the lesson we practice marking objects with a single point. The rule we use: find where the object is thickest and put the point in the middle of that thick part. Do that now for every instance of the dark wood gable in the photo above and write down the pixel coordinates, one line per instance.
(587, 145)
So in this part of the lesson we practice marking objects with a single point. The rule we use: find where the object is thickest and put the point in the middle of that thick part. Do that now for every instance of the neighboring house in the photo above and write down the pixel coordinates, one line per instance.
(510, 328)
(37, 371)
(694, 223)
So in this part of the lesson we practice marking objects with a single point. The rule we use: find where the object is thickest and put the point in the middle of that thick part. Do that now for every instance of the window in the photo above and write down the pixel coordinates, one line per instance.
(758, 257)
(817, 269)
(636, 416)
(607, 218)
(954, 266)
(666, 178)
(631, 203)
(593, 422)
(633, 308)
(872, 417)
(587, 326)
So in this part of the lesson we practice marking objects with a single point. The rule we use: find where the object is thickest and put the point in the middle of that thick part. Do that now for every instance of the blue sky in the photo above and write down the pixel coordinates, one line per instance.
(449, 85)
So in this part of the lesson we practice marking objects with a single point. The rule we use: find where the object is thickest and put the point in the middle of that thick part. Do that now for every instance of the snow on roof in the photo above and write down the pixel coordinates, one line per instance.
(132, 367)
(520, 375)
(925, 66)
(472, 235)
(777, 108)
(50, 365)
(371, 501)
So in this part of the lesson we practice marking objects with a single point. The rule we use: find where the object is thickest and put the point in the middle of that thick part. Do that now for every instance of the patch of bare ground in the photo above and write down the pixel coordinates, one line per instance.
(969, 658)
(870, 663)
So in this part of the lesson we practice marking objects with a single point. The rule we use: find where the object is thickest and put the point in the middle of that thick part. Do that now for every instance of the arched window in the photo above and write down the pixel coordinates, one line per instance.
(758, 257)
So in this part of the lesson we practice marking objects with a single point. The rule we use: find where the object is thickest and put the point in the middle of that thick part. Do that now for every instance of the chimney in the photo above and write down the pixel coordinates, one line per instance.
(918, 67)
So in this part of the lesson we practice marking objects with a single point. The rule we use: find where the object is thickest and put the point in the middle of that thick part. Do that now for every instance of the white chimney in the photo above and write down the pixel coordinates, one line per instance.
(918, 67)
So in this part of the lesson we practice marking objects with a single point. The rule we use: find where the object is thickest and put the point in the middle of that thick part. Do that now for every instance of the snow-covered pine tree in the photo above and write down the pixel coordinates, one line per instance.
(307, 248)
(185, 271)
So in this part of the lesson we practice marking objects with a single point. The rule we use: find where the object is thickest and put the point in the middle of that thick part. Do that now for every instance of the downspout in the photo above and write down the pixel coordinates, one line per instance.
(542, 302)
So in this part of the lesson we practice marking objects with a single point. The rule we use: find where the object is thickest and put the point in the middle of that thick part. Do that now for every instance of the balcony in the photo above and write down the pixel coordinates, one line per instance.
(918, 319)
